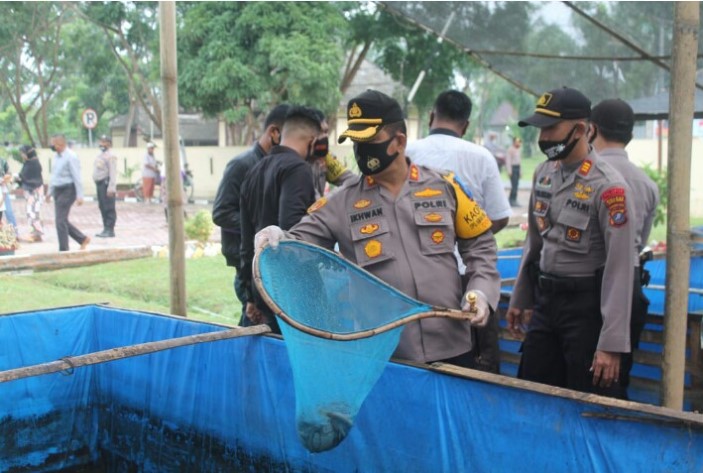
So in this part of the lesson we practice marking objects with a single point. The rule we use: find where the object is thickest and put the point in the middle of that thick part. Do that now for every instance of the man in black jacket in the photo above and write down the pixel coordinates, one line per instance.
(277, 191)
(225, 210)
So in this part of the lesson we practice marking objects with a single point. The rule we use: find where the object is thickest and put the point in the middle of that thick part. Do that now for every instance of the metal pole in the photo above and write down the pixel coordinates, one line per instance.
(169, 80)
(678, 238)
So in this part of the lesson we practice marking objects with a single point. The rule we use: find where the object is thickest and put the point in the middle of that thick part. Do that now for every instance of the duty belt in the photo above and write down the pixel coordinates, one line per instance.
(556, 284)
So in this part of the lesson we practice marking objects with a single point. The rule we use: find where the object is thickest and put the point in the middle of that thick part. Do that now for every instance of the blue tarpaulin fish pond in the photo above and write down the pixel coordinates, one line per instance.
(229, 406)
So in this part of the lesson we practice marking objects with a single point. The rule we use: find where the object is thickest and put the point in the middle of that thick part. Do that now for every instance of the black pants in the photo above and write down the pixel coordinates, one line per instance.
(485, 351)
(640, 307)
(107, 205)
(514, 181)
(562, 339)
(64, 197)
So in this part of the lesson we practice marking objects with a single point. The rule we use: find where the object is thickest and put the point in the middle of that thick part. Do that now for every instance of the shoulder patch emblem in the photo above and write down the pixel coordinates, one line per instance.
(614, 200)
(438, 236)
(585, 167)
(373, 249)
(362, 204)
(414, 173)
(427, 192)
(433, 217)
(321, 202)
(369, 229)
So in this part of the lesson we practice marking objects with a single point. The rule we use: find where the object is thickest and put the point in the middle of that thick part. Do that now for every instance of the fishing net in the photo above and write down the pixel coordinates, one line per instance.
(341, 325)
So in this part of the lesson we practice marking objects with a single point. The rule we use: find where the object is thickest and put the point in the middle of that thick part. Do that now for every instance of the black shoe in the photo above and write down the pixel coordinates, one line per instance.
(106, 234)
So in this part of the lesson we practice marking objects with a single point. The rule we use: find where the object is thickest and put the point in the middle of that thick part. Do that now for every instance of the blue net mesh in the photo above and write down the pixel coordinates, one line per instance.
(316, 289)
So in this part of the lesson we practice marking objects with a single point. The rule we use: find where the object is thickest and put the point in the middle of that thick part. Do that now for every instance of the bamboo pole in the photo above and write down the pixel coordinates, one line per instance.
(681, 103)
(72, 362)
(169, 80)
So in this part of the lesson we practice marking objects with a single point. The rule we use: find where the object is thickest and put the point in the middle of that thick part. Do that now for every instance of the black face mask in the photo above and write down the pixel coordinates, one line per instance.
(373, 158)
(322, 147)
(52, 148)
(557, 150)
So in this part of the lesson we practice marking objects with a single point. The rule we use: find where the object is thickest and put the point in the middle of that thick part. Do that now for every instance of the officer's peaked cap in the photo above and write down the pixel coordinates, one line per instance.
(368, 113)
(557, 105)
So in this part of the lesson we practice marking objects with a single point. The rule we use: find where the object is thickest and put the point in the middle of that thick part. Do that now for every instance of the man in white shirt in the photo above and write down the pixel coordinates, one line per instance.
(477, 169)
(474, 165)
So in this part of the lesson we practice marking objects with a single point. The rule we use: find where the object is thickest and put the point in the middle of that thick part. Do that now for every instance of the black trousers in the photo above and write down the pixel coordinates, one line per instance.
(562, 338)
(106, 205)
(64, 197)
(640, 308)
(514, 182)
(485, 351)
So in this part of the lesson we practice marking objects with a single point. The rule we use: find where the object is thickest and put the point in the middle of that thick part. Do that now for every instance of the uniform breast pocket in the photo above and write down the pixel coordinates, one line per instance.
(371, 241)
(436, 232)
(576, 230)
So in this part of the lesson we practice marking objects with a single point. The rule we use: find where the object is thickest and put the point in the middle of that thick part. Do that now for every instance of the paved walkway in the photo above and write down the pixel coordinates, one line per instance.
(138, 224)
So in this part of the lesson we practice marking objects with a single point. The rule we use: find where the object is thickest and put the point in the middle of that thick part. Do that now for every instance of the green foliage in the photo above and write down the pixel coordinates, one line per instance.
(249, 56)
(141, 284)
(660, 178)
(199, 227)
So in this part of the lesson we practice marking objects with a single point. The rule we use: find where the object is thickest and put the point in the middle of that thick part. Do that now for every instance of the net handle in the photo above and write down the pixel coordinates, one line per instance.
(434, 311)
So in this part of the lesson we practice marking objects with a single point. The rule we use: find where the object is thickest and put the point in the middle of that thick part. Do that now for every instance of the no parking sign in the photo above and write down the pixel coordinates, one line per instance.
(89, 118)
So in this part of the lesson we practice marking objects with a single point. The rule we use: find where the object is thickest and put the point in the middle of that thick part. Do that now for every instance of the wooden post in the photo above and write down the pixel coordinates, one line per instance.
(678, 239)
(169, 81)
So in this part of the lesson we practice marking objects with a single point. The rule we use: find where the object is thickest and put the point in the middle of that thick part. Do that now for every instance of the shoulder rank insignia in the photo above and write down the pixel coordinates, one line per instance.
(414, 173)
(362, 203)
(585, 167)
(470, 220)
(321, 202)
(427, 192)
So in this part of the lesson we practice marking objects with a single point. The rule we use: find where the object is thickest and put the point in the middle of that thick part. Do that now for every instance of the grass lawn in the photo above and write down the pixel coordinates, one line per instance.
(136, 284)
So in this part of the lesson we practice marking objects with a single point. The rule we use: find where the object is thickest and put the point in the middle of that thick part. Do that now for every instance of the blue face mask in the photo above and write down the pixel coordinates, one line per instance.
(373, 158)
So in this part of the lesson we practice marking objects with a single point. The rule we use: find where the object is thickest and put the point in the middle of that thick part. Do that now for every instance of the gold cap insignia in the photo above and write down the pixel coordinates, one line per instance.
(544, 100)
(354, 111)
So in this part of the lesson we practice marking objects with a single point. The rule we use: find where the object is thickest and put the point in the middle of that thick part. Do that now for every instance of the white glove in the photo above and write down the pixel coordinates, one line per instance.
(480, 311)
(271, 235)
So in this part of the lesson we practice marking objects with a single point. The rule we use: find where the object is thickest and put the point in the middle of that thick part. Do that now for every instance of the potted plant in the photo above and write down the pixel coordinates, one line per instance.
(8, 240)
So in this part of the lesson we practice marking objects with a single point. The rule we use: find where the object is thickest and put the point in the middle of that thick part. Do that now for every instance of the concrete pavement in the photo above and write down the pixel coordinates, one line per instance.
(138, 224)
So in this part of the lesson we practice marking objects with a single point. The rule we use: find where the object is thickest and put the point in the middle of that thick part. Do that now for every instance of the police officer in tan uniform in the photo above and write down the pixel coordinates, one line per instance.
(612, 122)
(105, 177)
(400, 222)
(573, 291)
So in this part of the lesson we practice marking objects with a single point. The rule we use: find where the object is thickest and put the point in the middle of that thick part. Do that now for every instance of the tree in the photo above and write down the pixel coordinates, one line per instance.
(31, 62)
(237, 60)
(131, 29)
